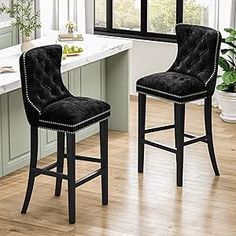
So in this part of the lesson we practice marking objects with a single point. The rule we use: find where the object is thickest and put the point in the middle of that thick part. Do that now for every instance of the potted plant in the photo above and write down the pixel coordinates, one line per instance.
(26, 20)
(70, 26)
(227, 89)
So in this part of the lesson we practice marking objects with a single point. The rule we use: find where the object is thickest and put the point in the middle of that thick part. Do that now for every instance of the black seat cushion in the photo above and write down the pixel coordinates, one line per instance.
(73, 113)
(172, 86)
(47, 101)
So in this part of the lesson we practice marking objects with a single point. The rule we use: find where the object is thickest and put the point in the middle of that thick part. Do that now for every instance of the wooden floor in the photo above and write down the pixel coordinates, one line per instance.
(140, 204)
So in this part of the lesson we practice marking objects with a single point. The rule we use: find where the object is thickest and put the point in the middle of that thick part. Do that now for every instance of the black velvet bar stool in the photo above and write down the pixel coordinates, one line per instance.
(49, 105)
(191, 77)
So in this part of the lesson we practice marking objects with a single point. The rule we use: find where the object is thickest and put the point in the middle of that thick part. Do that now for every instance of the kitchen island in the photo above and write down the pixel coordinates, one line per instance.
(101, 71)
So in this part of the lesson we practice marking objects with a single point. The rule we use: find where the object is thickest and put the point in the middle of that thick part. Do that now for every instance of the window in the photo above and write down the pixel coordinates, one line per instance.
(151, 19)
(6, 3)
(200, 12)
(126, 15)
(100, 13)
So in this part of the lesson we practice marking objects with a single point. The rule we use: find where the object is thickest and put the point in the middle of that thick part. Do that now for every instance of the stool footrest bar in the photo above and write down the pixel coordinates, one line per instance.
(84, 158)
(160, 128)
(193, 137)
(161, 146)
(195, 140)
(189, 135)
(51, 166)
(44, 171)
(89, 177)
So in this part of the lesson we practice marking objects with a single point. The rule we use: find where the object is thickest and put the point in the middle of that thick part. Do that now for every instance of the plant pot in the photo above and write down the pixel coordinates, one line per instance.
(227, 102)
(26, 44)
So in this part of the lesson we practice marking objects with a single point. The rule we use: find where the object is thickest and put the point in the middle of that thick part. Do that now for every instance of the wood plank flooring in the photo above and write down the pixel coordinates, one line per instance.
(140, 204)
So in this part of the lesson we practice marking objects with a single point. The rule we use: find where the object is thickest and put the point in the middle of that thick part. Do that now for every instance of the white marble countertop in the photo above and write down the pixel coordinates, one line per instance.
(95, 47)
(5, 21)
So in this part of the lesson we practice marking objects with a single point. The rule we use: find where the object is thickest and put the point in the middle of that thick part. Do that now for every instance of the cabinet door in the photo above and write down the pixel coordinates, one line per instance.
(15, 132)
(90, 86)
(8, 37)
(47, 137)
(91, 80)
(75, 82)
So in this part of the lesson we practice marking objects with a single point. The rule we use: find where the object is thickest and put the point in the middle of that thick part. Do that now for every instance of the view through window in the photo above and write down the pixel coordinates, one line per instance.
(161, 15)
(100, 13)
(6, 3)
(126, 14)
(199, 12)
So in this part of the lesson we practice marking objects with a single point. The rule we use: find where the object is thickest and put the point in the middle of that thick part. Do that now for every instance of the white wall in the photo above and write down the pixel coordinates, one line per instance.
(89, 9)
(148, 57)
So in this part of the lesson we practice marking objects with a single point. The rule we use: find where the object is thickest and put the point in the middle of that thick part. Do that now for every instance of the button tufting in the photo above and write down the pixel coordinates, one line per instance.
(47, 101)
(193, 74)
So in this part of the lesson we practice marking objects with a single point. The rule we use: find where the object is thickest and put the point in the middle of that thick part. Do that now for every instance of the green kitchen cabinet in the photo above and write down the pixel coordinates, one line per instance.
(8, 37)
(15, 132)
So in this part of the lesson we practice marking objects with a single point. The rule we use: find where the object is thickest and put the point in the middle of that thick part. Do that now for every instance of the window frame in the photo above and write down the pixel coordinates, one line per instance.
(143, 33)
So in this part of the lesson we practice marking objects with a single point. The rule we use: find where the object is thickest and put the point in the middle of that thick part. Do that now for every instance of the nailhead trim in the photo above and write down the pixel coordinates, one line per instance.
(173, 95)
(50, 122)
(26, 85)
(216, 62)
(69, 132)
(58, 130)
(169, 100)
(80, 123)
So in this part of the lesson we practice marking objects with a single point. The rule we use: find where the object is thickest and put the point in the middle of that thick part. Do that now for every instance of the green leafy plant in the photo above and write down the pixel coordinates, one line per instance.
(228, 63)
(26, 20)
(70, 26)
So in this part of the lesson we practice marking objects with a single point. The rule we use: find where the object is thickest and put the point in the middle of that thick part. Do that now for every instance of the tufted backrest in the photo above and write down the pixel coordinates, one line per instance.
(41, 79)
(198, 52)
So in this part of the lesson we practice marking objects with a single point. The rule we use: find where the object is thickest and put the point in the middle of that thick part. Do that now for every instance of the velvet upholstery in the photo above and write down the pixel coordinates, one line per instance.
(74, 112)
(172, 86)
(193, 74)
(47, 101)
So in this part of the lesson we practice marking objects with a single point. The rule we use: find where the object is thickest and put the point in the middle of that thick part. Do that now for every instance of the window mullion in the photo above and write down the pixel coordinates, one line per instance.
(179, 11)
(144, 17)
(109, 14)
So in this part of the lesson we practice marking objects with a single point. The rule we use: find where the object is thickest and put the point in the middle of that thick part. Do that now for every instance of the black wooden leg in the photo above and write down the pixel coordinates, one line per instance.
(208, 127)
(71, 176)
(104, 159)
(60, 160)
(179, 137)
(33, 164)
(141, 130)
(175, 115)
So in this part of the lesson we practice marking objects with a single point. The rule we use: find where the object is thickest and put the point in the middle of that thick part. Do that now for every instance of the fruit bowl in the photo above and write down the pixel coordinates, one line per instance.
(70, 51)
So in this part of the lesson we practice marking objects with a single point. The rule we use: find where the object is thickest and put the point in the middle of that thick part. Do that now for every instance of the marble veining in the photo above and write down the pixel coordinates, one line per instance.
(95, 47)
